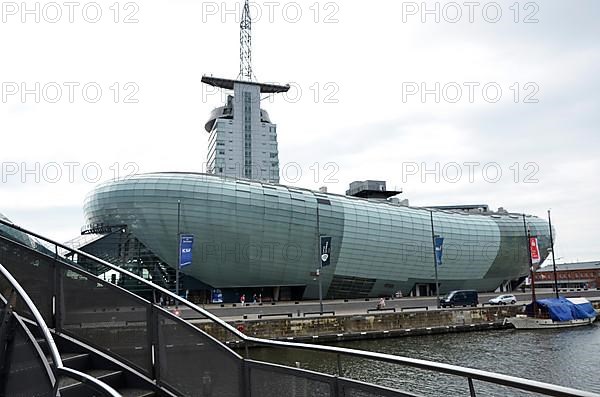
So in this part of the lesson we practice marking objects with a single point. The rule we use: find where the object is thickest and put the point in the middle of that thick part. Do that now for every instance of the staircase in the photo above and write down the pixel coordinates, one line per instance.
(81, 359)
(28, 368)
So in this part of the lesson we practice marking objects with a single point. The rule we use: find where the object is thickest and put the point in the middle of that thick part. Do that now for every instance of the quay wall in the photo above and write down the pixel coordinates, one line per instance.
(373, 325)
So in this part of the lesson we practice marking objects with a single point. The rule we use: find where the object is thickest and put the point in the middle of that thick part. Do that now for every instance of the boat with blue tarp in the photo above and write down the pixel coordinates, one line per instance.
(556, 313)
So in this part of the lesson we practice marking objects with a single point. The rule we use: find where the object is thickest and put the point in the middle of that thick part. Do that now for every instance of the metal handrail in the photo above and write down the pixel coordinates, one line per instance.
(469, 373)
(54, 353)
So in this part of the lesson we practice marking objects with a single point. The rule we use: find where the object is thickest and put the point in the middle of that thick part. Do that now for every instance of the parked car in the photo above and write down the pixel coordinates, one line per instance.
(460, 298)
(503, 300)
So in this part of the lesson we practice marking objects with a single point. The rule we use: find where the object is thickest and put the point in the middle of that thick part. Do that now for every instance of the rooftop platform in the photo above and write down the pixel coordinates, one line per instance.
(228, 84)
(371, 190)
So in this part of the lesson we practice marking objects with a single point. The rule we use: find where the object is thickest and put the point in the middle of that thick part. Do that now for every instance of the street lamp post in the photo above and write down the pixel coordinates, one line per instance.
(531, 269)
(437, 284)
(178, 249)
(319, 262)
(320, 291)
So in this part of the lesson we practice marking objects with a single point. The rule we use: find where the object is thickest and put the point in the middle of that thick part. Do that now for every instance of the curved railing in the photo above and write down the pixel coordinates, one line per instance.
(166, 317)
(59, 368)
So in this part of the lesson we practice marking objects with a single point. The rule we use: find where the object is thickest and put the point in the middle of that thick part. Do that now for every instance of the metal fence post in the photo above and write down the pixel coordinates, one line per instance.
(58, 296)
(246, 387)
(471, 388)
(154, 325)
(151, 340)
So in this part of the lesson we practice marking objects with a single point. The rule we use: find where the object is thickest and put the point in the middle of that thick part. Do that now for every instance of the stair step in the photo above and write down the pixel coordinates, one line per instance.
(70, 356)
(72, 387)
(66, 356)
(136, 393)
(78, 361)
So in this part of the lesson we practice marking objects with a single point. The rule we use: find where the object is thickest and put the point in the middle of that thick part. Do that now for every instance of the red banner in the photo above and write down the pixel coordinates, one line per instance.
(535, 252)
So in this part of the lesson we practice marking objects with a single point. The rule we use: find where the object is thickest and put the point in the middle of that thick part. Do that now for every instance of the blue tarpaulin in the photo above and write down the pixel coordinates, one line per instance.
(566, 309)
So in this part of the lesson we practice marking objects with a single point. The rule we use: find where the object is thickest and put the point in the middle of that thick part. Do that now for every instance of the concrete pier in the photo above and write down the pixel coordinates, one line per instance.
(328, 328)
(374, 325)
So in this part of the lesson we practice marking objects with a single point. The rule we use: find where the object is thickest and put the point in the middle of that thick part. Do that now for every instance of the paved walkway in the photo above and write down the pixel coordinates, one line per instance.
(251, 311)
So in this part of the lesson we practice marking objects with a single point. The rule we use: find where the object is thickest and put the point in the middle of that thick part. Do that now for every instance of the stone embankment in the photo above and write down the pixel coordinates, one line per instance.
(373, 325)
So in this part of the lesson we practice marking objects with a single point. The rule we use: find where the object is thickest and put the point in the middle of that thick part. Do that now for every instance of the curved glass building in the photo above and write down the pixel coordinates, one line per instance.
(253, 236)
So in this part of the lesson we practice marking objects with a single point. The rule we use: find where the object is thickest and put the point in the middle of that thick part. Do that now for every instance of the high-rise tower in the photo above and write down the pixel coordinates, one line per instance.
(243, 140)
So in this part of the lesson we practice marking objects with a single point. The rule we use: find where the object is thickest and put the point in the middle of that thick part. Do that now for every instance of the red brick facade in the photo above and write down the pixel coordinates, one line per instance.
(584, 277)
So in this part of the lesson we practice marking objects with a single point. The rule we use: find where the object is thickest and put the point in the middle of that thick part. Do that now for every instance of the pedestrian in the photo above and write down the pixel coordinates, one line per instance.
(254, 299)
(381, 304)
(243, 299)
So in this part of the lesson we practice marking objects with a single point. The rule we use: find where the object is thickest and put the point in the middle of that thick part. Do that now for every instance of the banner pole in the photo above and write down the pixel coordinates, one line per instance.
(319, 263)
(531, 270)
(178, 250)
(437, 284)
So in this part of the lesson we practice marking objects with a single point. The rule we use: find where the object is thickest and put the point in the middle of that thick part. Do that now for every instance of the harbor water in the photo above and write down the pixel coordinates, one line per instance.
(566, 357)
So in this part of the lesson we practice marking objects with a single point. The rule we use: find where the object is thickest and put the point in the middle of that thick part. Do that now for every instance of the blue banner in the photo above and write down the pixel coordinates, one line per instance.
(439, 242)
(217, 296)
(325, 253)
(186, 242)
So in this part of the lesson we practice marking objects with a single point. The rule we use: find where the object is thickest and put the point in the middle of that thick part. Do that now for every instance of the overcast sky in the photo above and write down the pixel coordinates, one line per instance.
(510, 116)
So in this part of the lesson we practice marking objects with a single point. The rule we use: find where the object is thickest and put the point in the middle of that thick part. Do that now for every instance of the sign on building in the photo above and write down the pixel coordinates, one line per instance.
(186, 243)
(439, 243)
(325, 251)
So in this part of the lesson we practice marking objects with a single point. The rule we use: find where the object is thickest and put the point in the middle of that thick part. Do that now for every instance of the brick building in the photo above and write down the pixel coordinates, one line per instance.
(570, 275)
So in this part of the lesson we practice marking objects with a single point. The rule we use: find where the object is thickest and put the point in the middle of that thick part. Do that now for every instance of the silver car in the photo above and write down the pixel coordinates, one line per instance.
(503, 300)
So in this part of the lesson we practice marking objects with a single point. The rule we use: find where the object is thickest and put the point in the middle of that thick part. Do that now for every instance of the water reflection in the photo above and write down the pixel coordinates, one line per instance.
(567, 357)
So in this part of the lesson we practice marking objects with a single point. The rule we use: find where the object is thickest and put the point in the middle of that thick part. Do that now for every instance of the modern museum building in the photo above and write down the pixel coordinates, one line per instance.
(254, 237)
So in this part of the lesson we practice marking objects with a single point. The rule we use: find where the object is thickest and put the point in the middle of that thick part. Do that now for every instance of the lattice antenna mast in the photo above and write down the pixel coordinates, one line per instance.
(246, 44)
